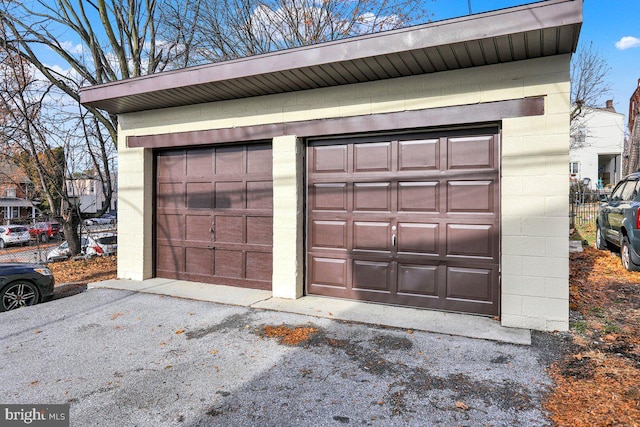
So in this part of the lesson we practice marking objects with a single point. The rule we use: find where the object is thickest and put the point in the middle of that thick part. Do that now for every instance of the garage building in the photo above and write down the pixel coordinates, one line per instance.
(422, 167)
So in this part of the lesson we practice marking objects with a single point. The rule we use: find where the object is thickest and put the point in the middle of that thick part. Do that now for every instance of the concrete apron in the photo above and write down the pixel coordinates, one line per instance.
(464, 325)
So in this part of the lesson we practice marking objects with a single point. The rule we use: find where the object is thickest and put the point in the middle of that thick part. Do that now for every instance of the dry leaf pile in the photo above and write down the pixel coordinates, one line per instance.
(599, 384)
(84, 271)
(288, 335)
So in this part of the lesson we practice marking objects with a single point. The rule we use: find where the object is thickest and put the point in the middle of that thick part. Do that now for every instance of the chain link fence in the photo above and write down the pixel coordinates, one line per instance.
(44, 236)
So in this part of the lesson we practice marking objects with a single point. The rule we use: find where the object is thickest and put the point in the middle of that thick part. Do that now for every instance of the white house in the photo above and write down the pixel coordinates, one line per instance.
(90, 194)
(597, 145)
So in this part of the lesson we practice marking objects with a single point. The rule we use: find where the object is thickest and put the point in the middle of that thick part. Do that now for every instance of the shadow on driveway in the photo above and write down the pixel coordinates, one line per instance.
(124, 358)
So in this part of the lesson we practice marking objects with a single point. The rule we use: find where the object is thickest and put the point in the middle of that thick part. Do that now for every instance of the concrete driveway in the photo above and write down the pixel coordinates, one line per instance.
(126, 358)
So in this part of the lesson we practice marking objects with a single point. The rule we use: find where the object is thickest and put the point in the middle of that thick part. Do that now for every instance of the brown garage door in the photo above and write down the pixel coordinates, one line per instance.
(410, 220)
(214, 215)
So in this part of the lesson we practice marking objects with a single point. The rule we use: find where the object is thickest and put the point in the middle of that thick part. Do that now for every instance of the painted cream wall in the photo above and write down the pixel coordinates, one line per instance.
(535, 265)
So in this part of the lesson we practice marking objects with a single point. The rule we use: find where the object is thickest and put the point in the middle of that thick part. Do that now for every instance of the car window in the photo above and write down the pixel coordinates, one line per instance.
(19, 229)
(636, 190)
(108, 240)
(628, 191)
(616, 196)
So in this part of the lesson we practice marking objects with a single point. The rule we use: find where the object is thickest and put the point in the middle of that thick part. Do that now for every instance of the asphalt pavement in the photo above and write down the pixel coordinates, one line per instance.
(122, 358)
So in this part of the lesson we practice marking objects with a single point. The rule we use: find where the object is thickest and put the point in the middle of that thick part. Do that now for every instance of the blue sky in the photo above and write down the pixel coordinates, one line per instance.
(606, 22)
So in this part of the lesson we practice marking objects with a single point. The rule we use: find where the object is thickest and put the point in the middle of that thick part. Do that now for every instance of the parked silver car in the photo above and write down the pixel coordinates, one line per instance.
(14, 235)
(95, 244)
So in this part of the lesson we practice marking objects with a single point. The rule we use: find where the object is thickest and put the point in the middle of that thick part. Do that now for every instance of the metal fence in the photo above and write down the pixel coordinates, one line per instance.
(584, 203)
(36, 250)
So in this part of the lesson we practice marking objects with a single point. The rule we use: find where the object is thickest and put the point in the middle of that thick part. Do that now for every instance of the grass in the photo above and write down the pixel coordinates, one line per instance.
(585, 232)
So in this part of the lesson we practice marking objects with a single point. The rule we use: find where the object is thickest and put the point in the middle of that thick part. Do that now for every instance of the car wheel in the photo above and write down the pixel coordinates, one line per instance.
(625, 256)
(44, 238)
(2, 244)
(18, 294)
(601, 243)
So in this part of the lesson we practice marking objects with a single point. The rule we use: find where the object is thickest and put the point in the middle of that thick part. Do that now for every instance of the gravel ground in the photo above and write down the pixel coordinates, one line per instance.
(122, 358)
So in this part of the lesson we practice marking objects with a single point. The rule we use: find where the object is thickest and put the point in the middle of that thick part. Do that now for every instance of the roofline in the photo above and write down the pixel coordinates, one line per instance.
(521, 19)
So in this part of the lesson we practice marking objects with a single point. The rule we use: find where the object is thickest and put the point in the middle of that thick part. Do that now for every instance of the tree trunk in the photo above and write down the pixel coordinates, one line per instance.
(71, 227)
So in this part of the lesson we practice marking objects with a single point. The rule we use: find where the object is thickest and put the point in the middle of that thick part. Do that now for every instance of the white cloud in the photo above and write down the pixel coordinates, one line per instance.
(627, 42)
(71, 48)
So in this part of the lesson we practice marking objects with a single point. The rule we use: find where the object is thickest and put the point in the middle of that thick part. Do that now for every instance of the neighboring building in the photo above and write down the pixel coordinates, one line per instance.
(15, 204)
(88, 191)
(633, 154)
(423, 167)
(598, 139)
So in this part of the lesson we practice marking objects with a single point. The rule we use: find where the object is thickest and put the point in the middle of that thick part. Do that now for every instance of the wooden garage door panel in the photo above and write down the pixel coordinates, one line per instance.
(419, 155)
(171, 165)
(474, 284)
(418, 279)
(259, 195)
(259, 160)
(230, 160)
(330, 159)
(214, 215)
(199, 162)
(410, 220)
(170, 195)
(471, 152)
(170, 226)
(199, 261)
(375, 157)
(328, 234)
(419, 196)
(198, 227)
(372, 196)
(372, 236)
(259, 230)
(229, 195)
(229, 229)
(328, 272)
(470, 240)
(329, 196)
(171, 258)
(199, 195)
(418, 238)
(371, 275)
(471, 196)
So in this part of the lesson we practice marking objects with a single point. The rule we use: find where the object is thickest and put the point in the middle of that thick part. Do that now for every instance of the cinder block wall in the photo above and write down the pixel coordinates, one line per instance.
(534, 235)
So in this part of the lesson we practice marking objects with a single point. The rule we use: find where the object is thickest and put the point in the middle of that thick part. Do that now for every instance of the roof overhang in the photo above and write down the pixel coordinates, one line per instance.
(535, 30)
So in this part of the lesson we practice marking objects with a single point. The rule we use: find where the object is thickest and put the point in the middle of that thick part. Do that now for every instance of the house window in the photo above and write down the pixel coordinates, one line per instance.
(574, 168)
(581, 135)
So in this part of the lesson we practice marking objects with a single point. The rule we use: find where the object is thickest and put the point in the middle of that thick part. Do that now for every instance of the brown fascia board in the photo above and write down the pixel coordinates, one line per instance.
(536, 16)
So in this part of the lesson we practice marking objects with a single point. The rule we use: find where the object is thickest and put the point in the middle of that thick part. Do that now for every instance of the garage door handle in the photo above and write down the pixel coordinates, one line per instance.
(393, 240)
(211, 247)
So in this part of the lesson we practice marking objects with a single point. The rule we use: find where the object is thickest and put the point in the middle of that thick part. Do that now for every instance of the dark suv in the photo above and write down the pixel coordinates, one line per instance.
(618, 222)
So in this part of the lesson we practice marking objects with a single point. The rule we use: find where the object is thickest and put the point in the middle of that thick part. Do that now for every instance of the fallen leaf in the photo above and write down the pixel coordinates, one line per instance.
(461, 405)
(214, 352)
(179, 331)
